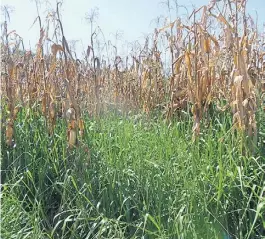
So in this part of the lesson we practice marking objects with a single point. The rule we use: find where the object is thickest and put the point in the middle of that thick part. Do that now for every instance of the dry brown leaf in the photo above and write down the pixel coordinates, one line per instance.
(55, 48)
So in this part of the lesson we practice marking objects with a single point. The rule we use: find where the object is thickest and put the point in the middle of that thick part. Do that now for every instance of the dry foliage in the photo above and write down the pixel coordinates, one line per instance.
(205, 67)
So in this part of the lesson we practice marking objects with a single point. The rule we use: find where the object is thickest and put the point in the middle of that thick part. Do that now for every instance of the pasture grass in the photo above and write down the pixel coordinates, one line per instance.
(133, 176)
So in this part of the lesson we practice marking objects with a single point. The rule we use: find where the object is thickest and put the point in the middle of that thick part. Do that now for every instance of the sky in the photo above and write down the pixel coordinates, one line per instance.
(133, 18)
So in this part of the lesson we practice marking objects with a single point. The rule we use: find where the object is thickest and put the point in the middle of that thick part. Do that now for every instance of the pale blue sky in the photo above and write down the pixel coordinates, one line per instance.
(133, 17)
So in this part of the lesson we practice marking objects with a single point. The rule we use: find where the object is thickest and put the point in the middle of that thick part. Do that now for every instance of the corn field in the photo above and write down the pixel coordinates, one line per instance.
(226, 66)
(185, 159)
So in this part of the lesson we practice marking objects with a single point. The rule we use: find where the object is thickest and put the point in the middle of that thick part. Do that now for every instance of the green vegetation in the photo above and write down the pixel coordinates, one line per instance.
(167, 143)
(141, 178)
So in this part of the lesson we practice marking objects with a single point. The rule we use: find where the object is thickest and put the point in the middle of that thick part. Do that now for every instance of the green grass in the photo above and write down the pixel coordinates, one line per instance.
(142, 178)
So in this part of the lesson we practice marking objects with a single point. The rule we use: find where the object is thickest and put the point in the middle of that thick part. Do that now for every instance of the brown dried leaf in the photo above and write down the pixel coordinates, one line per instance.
(55, 48)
